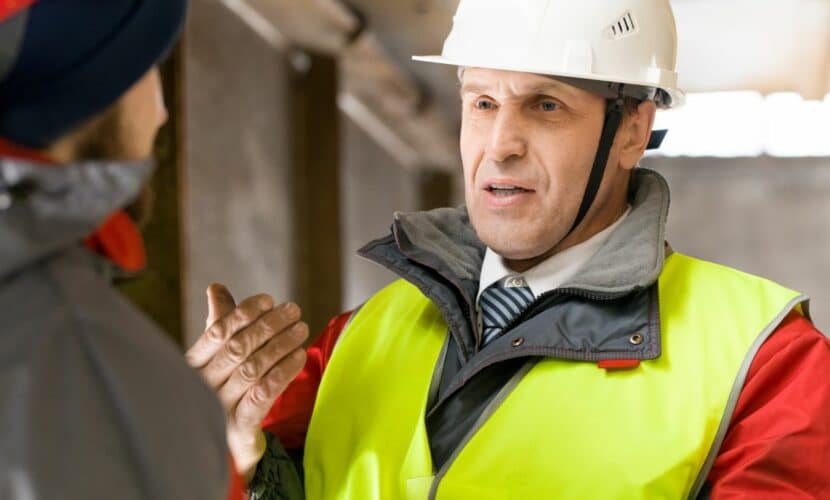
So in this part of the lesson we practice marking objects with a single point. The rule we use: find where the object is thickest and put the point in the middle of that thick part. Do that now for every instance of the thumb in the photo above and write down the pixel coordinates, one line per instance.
(220, 303)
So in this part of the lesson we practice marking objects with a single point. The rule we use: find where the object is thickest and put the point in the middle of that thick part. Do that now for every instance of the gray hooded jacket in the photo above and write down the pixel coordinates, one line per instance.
(94, 401)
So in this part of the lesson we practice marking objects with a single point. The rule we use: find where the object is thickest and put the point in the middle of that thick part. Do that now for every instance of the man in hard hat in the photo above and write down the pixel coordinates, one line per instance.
(94, 401)
(545, 341)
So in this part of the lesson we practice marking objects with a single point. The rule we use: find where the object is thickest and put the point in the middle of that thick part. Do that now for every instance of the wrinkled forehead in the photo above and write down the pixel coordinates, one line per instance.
(511, 84)
(476, 78)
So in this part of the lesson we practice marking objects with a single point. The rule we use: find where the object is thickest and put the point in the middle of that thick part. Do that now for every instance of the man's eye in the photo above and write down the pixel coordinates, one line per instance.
(548, 106)
(484, 105)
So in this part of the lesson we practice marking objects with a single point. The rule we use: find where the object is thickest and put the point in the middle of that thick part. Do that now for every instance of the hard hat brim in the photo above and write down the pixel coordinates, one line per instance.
(676, 96)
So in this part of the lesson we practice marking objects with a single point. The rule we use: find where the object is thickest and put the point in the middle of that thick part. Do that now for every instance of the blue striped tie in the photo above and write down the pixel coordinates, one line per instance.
(501, 305)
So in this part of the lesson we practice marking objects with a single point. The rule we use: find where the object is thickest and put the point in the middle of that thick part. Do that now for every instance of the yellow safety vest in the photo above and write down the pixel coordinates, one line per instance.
(564, 429)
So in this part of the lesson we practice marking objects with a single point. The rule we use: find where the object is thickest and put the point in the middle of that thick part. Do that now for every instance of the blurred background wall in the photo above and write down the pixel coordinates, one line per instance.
(237, 215)
(310, 114)
(767, 216)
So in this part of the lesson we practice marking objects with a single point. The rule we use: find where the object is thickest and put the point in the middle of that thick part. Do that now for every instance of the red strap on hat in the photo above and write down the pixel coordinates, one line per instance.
(8, 8)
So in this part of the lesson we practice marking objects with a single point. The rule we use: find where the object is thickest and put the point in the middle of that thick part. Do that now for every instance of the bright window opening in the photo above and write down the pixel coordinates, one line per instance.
(746, 124)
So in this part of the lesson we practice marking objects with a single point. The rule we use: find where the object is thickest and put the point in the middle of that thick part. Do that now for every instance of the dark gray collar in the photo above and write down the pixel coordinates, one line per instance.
(45, 208)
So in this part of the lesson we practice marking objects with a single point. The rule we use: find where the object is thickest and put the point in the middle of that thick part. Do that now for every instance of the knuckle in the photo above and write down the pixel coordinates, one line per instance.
(267, 327)
(215, 333)
(249, 371)
(236, 350)
(260, 395)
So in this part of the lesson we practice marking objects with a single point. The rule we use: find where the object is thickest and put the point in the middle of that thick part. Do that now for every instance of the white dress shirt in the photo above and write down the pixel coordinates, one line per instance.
(549, 274)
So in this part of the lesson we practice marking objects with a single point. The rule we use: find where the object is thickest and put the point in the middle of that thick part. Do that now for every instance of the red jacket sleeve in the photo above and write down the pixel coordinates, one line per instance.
(778, 443)
(291, 413)
(236, 490)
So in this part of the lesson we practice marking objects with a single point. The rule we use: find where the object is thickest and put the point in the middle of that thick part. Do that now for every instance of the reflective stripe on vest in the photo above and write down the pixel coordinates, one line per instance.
(560, 429)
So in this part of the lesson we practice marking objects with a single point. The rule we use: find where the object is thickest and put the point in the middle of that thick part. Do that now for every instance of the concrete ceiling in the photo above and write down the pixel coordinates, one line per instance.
(412, 108)
(764, 45)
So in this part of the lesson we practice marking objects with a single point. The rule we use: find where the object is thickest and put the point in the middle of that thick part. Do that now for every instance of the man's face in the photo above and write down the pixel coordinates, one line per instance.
(527, 144)
(142, 115)
(124, 132)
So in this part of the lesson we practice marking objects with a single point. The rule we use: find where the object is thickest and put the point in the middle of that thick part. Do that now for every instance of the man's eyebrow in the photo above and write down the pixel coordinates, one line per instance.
(545, 87)
(471, 89)
(534, 89)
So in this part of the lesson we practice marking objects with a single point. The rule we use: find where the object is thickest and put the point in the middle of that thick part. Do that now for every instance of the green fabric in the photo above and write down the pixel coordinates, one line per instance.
(276, 477)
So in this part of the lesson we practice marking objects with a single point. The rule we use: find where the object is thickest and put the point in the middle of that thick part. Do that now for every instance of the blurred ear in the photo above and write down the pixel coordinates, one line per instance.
(635, 134)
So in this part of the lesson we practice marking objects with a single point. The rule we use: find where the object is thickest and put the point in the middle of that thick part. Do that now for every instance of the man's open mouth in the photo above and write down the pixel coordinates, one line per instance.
(506, 189)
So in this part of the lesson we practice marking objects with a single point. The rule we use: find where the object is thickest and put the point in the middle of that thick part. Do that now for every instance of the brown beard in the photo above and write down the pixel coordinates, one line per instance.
(105, 139)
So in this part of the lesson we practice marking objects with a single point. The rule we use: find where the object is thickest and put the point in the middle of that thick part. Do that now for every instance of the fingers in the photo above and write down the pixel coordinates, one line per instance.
(215, 337)
(257, 402)
(261, 362)
(243, 344)
(220, 303)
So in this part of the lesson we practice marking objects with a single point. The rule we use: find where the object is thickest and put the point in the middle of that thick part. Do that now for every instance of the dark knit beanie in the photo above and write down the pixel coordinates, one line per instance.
(65, 61)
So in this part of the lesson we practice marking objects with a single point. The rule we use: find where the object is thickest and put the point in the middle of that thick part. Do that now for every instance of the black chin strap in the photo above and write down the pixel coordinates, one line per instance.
(613, 118)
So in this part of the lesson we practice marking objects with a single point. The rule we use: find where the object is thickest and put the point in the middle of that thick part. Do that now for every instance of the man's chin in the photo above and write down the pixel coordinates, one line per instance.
(518, 251)
(514, 249)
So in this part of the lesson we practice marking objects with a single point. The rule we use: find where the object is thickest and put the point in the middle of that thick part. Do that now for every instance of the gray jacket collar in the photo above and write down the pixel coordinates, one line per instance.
(428, 248)
(631, 259)
(45, 209)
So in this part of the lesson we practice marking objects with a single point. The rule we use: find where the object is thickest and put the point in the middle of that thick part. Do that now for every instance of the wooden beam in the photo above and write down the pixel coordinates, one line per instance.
(158, 290)
(434, 188)
(380, 97)
(315, 171)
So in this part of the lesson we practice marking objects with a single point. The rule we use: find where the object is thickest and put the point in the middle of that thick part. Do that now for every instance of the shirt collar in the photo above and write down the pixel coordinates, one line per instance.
(551, 273)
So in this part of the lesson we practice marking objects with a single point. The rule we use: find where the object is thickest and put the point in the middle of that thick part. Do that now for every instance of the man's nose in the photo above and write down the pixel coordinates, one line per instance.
(507, 140)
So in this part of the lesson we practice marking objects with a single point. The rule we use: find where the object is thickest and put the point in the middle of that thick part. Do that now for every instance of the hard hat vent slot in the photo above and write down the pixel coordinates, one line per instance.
(625, 26)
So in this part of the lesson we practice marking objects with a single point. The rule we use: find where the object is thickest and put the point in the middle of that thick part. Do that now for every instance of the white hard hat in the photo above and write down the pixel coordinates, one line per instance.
(628, 42)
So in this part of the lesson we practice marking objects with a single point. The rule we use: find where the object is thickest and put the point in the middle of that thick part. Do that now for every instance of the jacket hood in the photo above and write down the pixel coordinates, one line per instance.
(45, 209)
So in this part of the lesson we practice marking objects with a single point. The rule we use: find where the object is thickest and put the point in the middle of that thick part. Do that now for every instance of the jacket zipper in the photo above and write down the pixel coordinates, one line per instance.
(544, 301)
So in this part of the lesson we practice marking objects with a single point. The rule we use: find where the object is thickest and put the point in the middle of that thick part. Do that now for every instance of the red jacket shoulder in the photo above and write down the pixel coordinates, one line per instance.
(291, 413)
(778, 442)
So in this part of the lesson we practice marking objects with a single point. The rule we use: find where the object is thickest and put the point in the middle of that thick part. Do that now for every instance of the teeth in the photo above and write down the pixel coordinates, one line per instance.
(507, 192)
(503, 186)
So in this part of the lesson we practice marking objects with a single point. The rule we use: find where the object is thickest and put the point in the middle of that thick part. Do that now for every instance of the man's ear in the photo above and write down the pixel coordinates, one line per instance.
(637, 127)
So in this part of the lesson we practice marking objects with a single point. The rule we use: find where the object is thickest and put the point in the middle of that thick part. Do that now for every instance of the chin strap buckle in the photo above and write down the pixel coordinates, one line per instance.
(657, 138)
